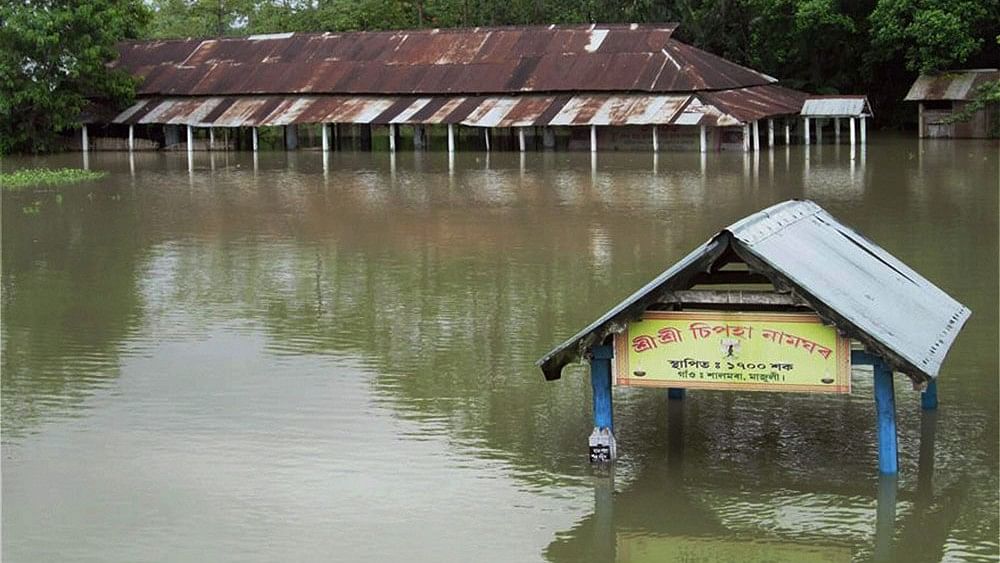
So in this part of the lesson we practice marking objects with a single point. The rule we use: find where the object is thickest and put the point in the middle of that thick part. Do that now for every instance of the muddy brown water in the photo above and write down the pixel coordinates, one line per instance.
(281, 361)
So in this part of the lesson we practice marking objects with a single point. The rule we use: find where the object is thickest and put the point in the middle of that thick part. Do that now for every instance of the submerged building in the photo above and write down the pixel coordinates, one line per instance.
(942, 96)
(601, 87)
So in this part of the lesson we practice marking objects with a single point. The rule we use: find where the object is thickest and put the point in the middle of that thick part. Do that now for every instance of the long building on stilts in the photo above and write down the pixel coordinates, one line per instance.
(593, 87)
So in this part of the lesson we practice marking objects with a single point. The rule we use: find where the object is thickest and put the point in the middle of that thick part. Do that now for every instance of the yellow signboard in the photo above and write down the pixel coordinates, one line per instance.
(734, 351)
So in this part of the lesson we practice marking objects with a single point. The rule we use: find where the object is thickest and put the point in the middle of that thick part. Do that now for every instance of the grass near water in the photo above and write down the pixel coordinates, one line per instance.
(31, 177)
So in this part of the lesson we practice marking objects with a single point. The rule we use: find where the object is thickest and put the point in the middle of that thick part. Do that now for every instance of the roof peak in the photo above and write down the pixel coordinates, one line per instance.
(668, 27)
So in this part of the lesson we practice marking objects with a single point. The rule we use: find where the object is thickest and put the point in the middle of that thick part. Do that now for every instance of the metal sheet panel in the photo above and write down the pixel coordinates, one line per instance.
(240, 114)
(493, 111)
(756, 102)
(950, 85)
(850, 281)
(490, 112)
(622, 58)
(887, 303)
(405, 115)
(132, 110)
(836, 106)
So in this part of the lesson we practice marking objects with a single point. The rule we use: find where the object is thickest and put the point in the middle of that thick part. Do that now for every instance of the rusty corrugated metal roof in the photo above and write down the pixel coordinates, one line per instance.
(595, 58)
(475, 111)
(756, 102)
(950, 85)
(848, 280)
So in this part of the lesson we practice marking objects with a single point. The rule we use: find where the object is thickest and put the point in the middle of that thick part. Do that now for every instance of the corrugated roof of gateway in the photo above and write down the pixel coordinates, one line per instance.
(836, 106)
(950, 84)
(850, 282)
(474, 111)
(594, 58)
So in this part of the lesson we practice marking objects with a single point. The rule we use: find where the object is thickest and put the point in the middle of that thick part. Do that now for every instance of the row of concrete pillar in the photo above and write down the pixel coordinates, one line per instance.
(751, 136)
(836, 129)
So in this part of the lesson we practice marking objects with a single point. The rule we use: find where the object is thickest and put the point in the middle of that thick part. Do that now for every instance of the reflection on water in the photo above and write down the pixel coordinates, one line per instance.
(277, 356)
(666, 513)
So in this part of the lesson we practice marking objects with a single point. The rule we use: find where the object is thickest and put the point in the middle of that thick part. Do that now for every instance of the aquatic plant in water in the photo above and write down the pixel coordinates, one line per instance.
(30, 177)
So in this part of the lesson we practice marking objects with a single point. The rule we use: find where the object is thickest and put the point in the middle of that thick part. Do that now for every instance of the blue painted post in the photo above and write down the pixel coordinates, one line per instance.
(885, 517)
(675, 393)
(928, 399)
(885, 412)
(602, 439)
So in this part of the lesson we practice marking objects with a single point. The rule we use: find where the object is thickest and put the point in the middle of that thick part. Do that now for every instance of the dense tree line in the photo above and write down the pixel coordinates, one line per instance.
(52, 52)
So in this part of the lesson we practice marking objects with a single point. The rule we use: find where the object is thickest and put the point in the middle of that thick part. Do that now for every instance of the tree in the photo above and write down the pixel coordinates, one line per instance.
(194, 18)
(932, 35)
(53, 57)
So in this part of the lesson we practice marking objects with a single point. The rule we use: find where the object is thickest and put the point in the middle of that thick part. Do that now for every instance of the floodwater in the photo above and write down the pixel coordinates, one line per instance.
(277, 362)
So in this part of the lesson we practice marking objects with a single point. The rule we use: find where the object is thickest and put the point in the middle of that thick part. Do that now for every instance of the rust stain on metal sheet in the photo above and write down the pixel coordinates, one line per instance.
(617, 57)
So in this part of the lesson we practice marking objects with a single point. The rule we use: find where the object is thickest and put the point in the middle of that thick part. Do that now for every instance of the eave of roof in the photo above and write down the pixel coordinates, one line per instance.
(849, 281)
(527, 110)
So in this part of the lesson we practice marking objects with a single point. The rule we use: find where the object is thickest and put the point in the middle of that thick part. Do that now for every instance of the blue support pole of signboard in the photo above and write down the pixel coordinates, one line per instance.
(928, 399)
(602, 440)
(885, 410)
(600, 380)
(676, 393)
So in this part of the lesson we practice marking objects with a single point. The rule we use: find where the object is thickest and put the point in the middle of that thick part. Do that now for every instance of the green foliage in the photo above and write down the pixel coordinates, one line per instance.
(986, 93)
(932, 35)
(195, 18)
(809, 43)
(31, 177)
(53, 57)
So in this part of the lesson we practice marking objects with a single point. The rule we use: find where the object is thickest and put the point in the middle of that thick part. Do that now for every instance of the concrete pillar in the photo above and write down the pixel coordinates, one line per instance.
(325, 133)
(770, 132)
(291, 137)
(548, 138)
(367, 134)
(451, 138)
(788, 132)
(593, 138)
(84, 139)
(746, 137)
(853, 141)
(190, 138)
(171, 136)
(419, 137)
(656, 139)
(703, 138)
(805, 124)
(131, 137)
(486, 137)
(520, 139)
(921, 128)
(255, 140)
(211, 138)
(864, 127)
(756, 135)
(836, 129)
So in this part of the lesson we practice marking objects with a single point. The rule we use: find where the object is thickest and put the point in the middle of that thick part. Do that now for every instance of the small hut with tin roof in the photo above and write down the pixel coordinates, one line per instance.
(943, 95)
(789, 261)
